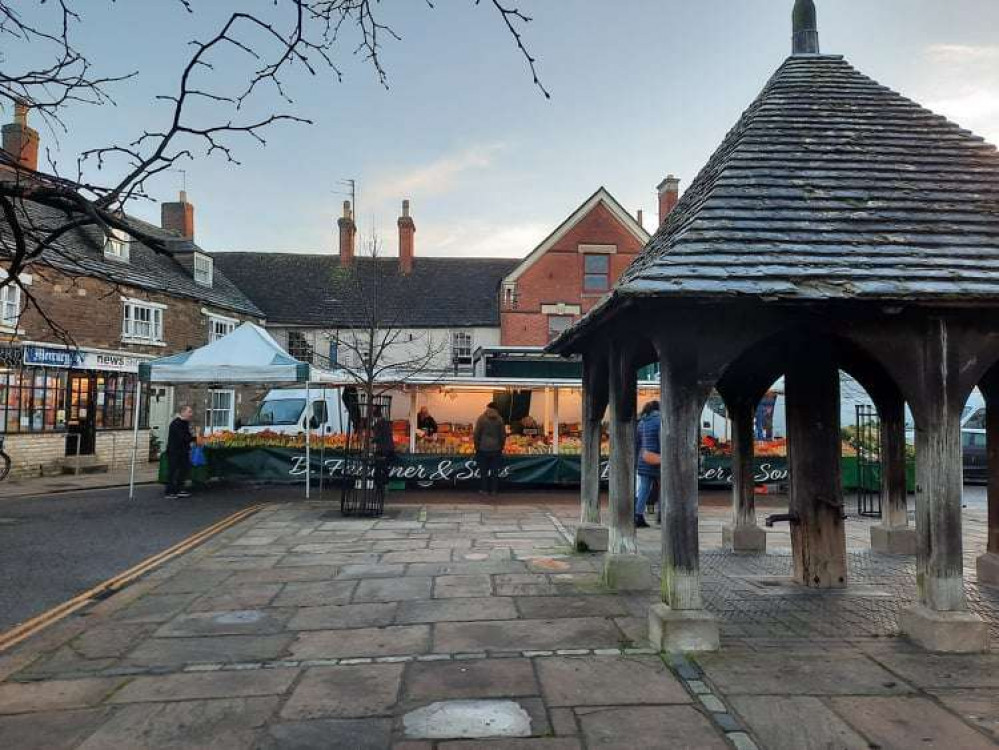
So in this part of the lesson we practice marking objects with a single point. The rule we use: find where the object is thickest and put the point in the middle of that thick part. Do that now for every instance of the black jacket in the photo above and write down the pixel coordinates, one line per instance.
(179, 438)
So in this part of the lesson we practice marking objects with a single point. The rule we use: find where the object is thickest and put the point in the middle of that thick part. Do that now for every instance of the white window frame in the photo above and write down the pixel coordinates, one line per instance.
(204, 269)
(10, 300)
(118, 245)
(457, 357)
(218, 418)
(129, 327)
(219, 326)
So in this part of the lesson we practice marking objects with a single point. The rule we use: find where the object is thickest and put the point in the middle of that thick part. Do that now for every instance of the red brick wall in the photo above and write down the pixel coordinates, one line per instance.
(91, 311)
(558, 276)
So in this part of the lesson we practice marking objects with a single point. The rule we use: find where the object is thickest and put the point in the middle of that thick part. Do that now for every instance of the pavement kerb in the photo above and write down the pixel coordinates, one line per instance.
(44, 642)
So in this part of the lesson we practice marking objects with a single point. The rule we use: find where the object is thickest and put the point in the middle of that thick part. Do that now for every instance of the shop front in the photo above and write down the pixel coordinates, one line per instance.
(58, 402)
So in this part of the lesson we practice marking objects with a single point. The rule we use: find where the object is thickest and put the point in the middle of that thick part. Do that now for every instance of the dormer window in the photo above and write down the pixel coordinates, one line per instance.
(116, 245)
(204, 269)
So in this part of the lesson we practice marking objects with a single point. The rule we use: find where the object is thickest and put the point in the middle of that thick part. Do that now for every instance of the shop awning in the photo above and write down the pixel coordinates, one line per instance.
(247, 355)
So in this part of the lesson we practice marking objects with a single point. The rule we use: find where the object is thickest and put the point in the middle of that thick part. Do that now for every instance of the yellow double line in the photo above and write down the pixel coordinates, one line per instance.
(27, 629)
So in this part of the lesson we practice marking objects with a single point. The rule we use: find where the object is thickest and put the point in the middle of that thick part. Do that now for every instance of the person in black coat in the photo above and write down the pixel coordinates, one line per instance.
(179, 439)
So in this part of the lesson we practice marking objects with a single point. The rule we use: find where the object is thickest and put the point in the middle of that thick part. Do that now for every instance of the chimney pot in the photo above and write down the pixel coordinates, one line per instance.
(21, 141)
(641, 218)
(669, 195)
(407, 240)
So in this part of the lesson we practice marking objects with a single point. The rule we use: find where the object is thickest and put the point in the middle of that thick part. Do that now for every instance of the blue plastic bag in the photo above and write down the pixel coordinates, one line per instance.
(198, 456)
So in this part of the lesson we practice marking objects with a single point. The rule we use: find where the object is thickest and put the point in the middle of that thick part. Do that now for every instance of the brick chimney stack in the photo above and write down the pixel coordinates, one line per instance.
(640, 218)
(348, 230)
(669, 194)
(21, 141)
(407, 234)
(178, 217)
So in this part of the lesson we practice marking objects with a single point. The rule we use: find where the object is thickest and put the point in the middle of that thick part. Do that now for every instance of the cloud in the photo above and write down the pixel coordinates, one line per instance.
(963, 85)
(436, 177)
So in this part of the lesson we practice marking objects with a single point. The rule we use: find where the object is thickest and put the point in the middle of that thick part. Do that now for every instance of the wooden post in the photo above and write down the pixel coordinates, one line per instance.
(941, 620)
(555, 418)
(743, 535)
(818, 534)
(413, 419)
(893, 535)
(680, 402)
(623, 397)
(595, 385)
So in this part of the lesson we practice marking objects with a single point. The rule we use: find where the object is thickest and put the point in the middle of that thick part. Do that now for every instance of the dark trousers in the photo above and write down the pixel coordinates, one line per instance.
(178, 467)
(490, 464)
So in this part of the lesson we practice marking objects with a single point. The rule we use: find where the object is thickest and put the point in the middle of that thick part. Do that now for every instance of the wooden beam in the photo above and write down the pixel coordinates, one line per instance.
(818, 534)
(741, 414)
(623, 395)
(595, 385)
(680, 400)
(891, 410)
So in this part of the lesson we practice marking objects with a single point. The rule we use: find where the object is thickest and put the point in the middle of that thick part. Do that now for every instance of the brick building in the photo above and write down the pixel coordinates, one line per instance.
(576, 265)
(67, 384)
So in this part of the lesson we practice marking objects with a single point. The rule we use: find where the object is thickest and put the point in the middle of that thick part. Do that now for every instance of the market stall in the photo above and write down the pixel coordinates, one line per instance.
(249, 355)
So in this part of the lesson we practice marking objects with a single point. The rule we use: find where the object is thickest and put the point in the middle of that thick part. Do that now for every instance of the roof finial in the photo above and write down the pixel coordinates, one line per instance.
(806, 28)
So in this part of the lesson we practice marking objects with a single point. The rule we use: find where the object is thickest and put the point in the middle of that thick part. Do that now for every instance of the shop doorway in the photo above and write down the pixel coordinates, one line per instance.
(160, 412)
(80, 417)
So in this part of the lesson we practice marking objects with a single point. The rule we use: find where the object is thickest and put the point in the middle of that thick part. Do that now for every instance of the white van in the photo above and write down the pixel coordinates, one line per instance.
(283, 410)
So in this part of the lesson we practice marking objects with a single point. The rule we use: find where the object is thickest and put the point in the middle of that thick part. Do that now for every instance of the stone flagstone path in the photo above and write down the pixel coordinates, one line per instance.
(302, 629)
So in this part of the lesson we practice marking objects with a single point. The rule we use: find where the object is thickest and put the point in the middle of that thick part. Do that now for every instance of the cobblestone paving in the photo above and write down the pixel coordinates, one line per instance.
(302, 629)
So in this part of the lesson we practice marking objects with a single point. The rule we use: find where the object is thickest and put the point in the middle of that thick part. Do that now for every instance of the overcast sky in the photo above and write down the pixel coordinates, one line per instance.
(639, 88)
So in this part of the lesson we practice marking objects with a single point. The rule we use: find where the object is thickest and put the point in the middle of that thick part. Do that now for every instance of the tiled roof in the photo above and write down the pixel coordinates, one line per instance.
(832, 186)
(81, 252)
(313, 290)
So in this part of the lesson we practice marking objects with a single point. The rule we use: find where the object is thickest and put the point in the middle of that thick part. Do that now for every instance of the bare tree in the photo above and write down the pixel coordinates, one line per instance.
(204, 117)
(376, 349)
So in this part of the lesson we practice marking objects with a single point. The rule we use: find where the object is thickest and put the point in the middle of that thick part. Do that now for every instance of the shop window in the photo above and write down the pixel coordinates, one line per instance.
(221, 414)
(596, 276)
(32, 399)
(204, 269)
(557, 324)
(10, 305)
(299, 347)
(461, 348)
(114, 397)
(219, 327)
(117, 245)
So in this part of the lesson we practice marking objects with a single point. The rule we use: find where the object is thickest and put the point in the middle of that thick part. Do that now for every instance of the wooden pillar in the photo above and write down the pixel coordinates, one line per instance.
(941, 620)
(988, 564)
(742, 534)
(893, 535)
(623, 397)
(818, 534)
(595, 385)
(680, 622)
(680, 402)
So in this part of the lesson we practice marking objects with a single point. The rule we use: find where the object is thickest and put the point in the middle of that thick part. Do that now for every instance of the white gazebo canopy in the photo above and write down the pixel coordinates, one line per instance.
(247, 355)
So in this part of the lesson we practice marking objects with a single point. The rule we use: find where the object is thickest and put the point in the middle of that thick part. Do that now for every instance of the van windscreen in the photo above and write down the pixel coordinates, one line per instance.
(277, 411)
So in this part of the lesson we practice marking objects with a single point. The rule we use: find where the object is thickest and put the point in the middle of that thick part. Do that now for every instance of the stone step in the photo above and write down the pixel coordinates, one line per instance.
(83, 465)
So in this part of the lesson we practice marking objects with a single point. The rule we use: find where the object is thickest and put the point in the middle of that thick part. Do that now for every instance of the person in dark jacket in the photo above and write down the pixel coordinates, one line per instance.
(489, 437)
(425, 422)
(382, 444)
(648, 449)
(179, 439)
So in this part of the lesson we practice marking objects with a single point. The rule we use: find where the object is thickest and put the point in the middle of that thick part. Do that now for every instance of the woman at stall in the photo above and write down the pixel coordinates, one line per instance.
(426, 423)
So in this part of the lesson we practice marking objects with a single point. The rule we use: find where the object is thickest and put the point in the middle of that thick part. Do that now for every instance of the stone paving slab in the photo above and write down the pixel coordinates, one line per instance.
(203, 685)
(517, 635)
(979, 707)
(648, 728)
(345, 692)
(396, 640)
(427, 682)
(219, 648)
(355, 734)
(326, 617)
(911, 722)
(608, 681)
(795, 723)
(456, 610)
(57, 730)
(24, 697)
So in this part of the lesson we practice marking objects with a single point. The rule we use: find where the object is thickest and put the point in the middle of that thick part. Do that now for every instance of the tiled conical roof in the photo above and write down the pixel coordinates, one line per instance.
(832, 186)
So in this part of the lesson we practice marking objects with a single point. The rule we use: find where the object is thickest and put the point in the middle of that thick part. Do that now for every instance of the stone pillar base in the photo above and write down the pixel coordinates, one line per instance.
(677, 630)
(591, 537)
(627, 573)
(744, 538)
(988, 569)
(945, 632)
(893, 540)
